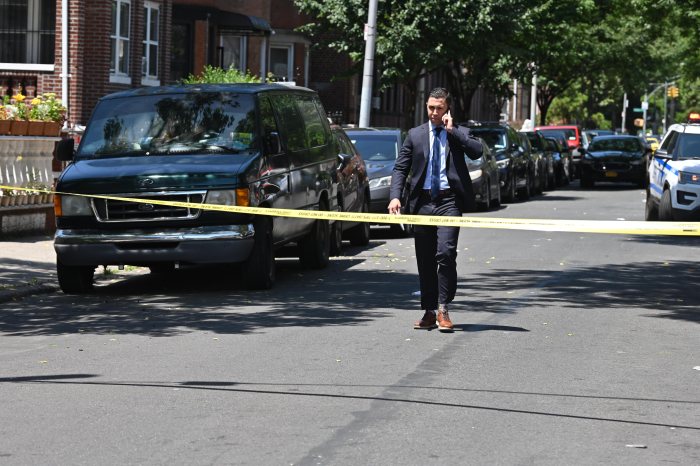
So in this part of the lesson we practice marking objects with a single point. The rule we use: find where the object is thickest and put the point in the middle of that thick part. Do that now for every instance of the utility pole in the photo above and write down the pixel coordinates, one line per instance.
(624, 113)
(368, 71)
(533, 99)
(665, 105)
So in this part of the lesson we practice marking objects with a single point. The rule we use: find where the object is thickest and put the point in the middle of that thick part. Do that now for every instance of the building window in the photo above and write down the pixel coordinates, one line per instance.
(27, 33)
(121, 31)
(281, 62)
(151, 21)
(232, 51)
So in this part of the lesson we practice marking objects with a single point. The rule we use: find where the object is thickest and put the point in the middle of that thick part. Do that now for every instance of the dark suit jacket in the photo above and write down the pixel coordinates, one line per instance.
(415, 155)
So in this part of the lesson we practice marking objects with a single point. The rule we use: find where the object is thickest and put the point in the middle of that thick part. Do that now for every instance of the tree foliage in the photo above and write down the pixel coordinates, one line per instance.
(599, 48)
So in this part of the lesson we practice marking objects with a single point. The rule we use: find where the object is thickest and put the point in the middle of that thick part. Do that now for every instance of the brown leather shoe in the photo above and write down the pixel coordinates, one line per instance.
(444, 322)
(427, 322)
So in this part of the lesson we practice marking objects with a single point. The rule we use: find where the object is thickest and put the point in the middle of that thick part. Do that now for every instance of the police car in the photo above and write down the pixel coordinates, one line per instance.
(674, 174)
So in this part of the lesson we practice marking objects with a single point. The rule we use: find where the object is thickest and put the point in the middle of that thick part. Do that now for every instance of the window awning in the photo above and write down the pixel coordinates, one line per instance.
(223, 19)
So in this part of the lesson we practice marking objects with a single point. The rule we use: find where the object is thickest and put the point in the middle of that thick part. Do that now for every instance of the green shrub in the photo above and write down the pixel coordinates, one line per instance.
(216, 75)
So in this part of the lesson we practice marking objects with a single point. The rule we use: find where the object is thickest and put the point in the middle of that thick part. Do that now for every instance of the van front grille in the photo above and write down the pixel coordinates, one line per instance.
(113, 211)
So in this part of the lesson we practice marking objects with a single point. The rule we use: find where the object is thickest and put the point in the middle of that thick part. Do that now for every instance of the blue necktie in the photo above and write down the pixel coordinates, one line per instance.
(435, 167)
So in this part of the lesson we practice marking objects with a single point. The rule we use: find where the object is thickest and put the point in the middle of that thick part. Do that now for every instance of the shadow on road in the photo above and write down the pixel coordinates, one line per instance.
(667, 290)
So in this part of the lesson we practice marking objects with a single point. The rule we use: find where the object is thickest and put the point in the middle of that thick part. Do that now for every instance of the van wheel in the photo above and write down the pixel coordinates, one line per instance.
(260, 266)
(359, 235)
(314, 248)
(160, 269)
(75, 279)
(336, 238)
(651, 212)
(665, 207)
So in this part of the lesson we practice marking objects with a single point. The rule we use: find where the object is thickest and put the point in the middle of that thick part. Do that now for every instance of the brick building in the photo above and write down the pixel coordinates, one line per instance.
(114, 45)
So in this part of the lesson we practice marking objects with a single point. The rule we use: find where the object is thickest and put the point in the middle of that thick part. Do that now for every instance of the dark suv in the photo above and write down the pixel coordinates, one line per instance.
(515, 164)
(267, 146)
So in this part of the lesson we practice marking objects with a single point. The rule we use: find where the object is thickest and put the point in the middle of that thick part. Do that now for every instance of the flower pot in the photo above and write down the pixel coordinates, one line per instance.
(19, 127)
(52, 128)
(35, 128)
(5, 201)
(5, 127)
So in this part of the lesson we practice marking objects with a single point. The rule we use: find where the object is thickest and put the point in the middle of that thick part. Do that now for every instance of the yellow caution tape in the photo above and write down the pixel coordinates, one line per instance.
(623, 227)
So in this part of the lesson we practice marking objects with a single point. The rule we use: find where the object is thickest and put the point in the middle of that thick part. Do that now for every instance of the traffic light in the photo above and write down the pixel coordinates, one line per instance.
(673, 92)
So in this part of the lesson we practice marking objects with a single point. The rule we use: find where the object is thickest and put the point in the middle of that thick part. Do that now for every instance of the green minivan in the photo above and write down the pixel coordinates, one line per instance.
(259, 145)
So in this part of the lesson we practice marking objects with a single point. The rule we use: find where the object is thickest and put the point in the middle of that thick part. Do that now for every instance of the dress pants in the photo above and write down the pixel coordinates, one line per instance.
(436, 252)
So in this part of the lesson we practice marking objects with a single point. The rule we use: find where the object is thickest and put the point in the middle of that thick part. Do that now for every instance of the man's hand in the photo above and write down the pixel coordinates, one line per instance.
(447, 121)
(395, 206)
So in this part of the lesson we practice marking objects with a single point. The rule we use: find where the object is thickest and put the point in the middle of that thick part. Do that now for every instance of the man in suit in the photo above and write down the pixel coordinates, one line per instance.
(440, 185)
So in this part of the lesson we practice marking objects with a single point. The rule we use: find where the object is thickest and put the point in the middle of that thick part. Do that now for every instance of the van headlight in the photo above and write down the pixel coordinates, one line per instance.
(383, 182)
(503, 163)
(221, 197)
(688, 178)
(73, 206)
(240, 197)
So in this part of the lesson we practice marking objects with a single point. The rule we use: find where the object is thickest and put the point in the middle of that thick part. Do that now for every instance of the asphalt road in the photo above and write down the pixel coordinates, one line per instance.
(569, 349)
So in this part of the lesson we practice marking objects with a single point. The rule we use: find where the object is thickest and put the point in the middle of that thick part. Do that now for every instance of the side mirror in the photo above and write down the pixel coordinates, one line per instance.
(662, 154)
(343, 160)
(65, 149)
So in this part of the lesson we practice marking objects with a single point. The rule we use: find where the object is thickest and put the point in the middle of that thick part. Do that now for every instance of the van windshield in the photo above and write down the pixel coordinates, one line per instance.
(192, 123)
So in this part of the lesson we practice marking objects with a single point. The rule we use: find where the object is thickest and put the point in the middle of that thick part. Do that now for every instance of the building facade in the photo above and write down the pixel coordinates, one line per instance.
(84, 49)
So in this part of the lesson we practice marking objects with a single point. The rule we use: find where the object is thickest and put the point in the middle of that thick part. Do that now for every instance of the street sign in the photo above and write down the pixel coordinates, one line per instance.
(638, 109)
(645, 105)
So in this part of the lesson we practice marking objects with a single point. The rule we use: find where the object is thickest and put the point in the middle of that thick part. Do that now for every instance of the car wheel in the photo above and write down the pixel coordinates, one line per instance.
(485, 204)
(586, 180)
(524, 193)
(511, 194)
(359, 235)
(651, 211)
(496, 202)
(315, 247)
(260, 271)
(75, 279)
(336, 238)
(665, 207)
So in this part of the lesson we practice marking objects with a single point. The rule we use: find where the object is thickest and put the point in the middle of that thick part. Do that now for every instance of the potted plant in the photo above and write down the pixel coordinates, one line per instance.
(49, 110)
(4, 121)
(20, 115)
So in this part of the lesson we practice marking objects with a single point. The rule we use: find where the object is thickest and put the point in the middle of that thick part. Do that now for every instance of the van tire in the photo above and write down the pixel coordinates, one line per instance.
(359, 234)
(315, 247)
(665, 207)
(75, 279)
(336, 238)
(260, 271)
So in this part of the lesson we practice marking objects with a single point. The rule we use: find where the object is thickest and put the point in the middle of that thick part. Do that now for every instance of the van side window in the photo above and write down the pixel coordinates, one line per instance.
(290, 121)
(270, 132)
(315, 132)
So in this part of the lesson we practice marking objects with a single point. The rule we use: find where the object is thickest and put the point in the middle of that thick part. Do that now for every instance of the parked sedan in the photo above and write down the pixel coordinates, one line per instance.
(353, 193)
(513, 163)
(562, 160)
(539, 145)
(379, 148)
(615, 158)
(484, 174)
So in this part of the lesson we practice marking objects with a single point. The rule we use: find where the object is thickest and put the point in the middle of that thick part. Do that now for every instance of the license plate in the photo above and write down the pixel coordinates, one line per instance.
(610, 174)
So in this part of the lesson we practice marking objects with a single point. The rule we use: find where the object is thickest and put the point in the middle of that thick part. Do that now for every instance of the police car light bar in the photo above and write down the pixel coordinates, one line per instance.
(694, 117)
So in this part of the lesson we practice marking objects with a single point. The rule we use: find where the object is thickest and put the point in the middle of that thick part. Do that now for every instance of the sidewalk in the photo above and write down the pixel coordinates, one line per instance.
(27, 267)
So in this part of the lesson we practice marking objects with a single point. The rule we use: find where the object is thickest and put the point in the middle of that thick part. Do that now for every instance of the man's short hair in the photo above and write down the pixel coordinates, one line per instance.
(441, 93)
